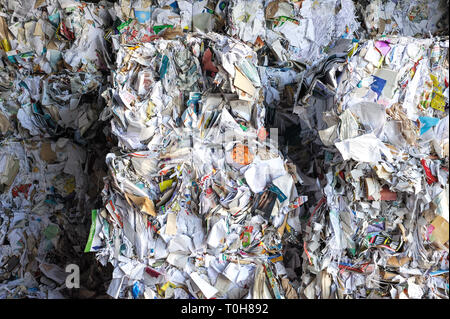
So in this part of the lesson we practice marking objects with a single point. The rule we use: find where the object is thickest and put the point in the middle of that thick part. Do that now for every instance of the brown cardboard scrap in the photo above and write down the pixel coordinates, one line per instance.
(47, 154)
(4, 123)
(145, 204)
(283, 226)
(396, 262)
(440, 231)
(242, 83)
(289, 291)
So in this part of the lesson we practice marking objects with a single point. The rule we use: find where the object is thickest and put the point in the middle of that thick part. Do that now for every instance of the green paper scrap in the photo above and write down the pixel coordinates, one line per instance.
(159, 28)
(91, 231)
(124, 25)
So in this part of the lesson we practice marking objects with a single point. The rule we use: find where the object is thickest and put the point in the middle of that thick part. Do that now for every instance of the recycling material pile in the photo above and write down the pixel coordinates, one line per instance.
(406, 18)
(199, 201)
(225, 149)
(185, 210)
(200, 204)
(381, 229)
(52, 58)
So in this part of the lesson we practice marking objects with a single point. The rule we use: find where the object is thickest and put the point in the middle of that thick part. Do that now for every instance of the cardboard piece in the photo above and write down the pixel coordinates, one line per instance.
(145, 204)
(4, 124)
(283, 226)
(47, 154)
(396, 262)
(242, 83)
(440, 230)
(288, 289)
(9, 167)
(171, 225)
